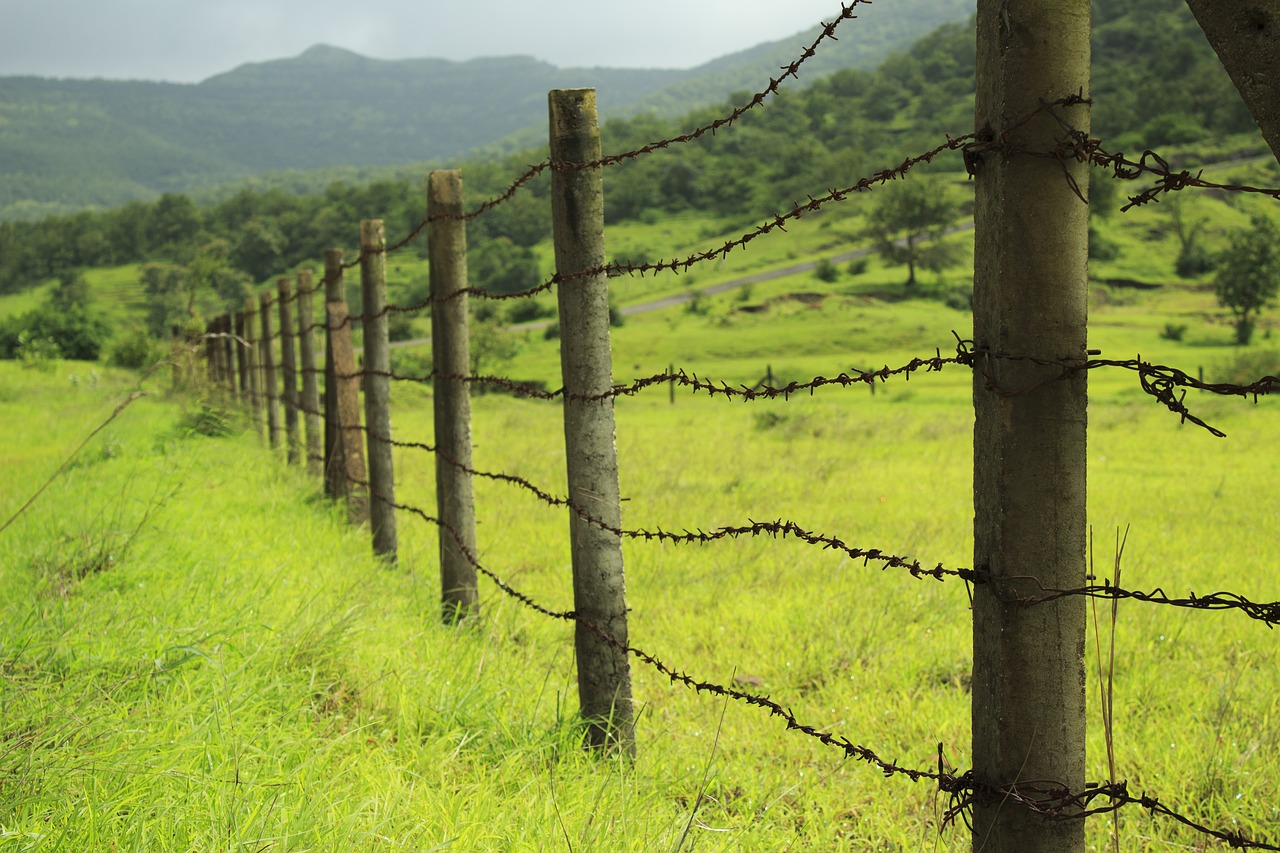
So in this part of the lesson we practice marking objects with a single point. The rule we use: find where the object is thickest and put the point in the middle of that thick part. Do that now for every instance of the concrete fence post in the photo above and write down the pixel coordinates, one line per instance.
(599, 582)
(289, 369)
(345, 471)
(251, 349)
(377, 387)
(227, 342)
(271, 385)
(1030, 296)
(450, 352)
(242, 359)
(210, 354)
(310, 373)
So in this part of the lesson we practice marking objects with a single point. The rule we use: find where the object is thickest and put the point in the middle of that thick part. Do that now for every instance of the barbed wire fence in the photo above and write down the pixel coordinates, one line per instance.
(259, 354)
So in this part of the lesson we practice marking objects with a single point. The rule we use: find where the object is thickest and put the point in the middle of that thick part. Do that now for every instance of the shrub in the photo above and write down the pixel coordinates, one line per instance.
(212, 420)
(857, 266)
(1173, 331)
(959, 298)
(526, 311)
(410, 361)
(1101, 247)
(1193, 260)
(826, 271)
(37, 353)
(136, 350)
(1248, 367)
(400, 327)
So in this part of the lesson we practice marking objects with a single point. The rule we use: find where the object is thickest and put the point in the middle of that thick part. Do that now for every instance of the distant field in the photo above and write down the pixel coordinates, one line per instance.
(198, 654)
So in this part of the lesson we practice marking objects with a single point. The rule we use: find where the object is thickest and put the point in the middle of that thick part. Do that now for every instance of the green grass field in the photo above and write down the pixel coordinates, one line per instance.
(199, 654)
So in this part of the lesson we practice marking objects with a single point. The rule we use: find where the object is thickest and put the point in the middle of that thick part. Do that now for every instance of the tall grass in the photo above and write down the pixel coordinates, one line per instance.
(197, 653)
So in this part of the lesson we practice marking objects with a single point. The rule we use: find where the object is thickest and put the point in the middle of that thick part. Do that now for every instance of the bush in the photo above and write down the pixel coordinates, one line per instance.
(615, 316)
(551, 333)
(526, 311)
(1248, 367)
(1173, 331)
(1192, 261)
(212, 420)
(960, 298)
(1101, 248)
(37, 353)
(136, 350)
(857, 266)
(410, 361)
(77, 332)
(826, 271)
(400, 327)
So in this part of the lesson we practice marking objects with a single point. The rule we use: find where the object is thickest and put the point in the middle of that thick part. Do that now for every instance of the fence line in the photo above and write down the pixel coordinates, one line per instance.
(1048, 799)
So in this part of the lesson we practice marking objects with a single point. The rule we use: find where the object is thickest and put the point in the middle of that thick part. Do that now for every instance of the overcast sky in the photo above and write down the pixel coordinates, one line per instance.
(189, 40)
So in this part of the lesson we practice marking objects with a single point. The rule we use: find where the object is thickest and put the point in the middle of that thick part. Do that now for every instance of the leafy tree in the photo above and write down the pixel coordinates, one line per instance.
(1193, 259)
(259, 249)
(66, 324)
(172, 222)
(908, 224)
(167, 297)
(1249, 275)
(500, 266)
(71, 291)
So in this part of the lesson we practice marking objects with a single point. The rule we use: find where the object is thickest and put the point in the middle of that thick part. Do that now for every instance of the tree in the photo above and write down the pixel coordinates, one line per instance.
(500, 266)
(259, 249)
(1249, 275)
(908, 224)
(171, 223)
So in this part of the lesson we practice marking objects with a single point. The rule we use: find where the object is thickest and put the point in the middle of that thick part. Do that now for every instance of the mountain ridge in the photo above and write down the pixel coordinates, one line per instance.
(71, 144)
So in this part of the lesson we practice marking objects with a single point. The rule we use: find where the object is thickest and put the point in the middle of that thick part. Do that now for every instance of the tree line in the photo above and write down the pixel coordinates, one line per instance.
(803, 141)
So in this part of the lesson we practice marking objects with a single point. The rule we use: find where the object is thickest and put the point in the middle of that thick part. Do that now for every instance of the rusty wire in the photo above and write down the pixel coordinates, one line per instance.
(1049, 799)
(788, 71)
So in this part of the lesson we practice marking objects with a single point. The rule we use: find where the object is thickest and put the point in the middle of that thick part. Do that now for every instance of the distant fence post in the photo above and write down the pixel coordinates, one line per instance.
(1031, 248)
(377, 387)
(242, 358)
(227, 342)
(599, 582)
(272, 385)
(251, 348)
(310, 381)
(289, 370)
(344, 449)
(210, 354)
(450, 355)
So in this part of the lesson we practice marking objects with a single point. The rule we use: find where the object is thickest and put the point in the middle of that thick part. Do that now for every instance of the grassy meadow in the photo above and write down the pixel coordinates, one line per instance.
(197, 653)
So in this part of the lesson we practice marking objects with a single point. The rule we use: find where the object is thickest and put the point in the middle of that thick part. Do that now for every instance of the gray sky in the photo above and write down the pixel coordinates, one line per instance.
(189, 40)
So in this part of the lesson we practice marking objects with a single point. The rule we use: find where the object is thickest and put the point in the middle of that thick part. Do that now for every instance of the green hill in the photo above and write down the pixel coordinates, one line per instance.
(70, 144)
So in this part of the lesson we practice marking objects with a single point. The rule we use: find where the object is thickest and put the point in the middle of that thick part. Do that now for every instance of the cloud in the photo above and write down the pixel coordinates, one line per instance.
(184, 41)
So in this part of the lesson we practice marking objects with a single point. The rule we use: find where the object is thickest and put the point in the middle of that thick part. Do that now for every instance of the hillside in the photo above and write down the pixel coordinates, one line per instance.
(70, 144)
(803, 141)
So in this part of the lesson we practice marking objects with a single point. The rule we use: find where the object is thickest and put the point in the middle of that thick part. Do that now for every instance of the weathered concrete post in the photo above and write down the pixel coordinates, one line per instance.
(242, 358)
(289, 369)
(599, 581)
(272, 389)
(1030, 273)
(377, 387)
(344, 466)
(228, 355)
(251, 348)
(1246, 36)
(310, 377)
(450, 351)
